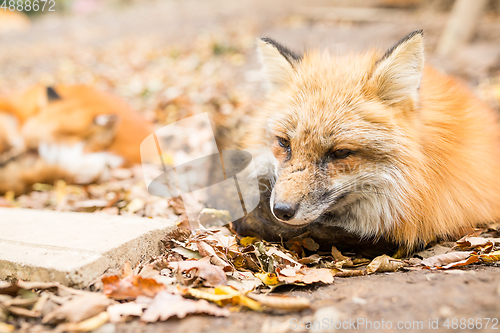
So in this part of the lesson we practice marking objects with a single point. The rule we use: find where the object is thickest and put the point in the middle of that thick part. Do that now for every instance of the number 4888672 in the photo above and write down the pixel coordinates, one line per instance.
(28, 5)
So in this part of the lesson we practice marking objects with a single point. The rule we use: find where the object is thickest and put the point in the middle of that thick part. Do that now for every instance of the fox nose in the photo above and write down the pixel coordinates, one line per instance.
(284, 211)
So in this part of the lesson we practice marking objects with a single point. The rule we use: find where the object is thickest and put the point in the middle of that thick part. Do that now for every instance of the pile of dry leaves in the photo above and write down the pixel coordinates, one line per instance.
(214, 272)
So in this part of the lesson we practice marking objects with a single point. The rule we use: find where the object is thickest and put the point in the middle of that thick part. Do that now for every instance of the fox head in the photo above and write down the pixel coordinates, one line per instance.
(341, 129)
(72, 119)
(80, 115)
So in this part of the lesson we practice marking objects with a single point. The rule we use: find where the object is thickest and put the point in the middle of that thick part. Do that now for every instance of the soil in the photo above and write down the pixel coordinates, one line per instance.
(414, 299)
(408, 297)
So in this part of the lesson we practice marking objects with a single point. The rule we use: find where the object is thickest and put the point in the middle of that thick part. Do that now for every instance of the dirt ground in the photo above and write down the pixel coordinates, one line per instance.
(413, 299)
(402, 298)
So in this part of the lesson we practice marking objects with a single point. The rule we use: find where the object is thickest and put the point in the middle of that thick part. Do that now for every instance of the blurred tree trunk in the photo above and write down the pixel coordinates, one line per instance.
(461, 25)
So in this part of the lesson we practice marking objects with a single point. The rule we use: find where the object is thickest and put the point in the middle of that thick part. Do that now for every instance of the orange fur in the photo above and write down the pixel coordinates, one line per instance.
(424, 151)
(81, 115)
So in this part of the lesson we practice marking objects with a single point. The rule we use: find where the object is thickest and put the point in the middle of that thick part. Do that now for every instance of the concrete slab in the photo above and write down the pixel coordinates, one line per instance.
(73, 248)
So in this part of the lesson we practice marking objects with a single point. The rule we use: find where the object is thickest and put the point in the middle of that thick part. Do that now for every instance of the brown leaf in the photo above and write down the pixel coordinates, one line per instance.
(126, 270)
(341, 260)
(384, 263)
(207, 250)
(317, 275)
(243, 281)
(120, 312)
(298, 244)
(348, 272)
(449, 260)
(310, 244)
(337, 255)
(17, 301)
(187, 253)
(79, 308)
(286, 259)
(87, 325)
(166, 305)
(211, 274)
(176, 236)
(223, 240)
(308, 276)
(22, 312)
(476, 243)
(7, 288)
(433, 251)
(312, 259)
(130, 287)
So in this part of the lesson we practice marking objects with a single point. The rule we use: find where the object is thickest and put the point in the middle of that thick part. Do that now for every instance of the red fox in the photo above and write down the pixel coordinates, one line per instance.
(68, 132)
(371, 148)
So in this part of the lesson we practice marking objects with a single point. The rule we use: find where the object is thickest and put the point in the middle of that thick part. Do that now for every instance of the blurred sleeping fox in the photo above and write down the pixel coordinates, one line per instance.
(371, 149)
(67, 132)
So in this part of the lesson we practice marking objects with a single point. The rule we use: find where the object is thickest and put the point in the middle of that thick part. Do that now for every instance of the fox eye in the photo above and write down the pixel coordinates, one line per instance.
(341, 153)
(284, 143)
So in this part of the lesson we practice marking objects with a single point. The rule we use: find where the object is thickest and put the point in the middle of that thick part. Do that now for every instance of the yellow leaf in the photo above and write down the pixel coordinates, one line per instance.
(6, 327)
(269, 279)
(490, 257)
(223, 295)
(239, 298)
(210, 295)
(86, 325)
(245, 241)
(383, 263)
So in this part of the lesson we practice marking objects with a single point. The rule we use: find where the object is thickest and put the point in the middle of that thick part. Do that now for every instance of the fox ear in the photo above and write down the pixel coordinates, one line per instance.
(277, 61)
(52, 94)
(396, 77)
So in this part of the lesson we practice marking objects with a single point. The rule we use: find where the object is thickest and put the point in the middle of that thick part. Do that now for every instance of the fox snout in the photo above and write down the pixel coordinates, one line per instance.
(292, 196)
(284, 211)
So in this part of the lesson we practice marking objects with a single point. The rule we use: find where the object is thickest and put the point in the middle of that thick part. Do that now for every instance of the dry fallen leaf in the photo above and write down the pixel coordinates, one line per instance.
(130, 287)
(207, 250)
(211, 274)
(269, 279)
(449, 260)
(347, 272)
(223, 295)
(7, 288)
(476, 243)
(490, 257)
(126, 270)
(86, 325)
(244, 281)
(298, 244)
(187, 253)
(79, 308)
(433, 251)
(312, 259)
(120, 312)
(282, 256)
(245, 241)
(308, 276)
(384, 263)
(6, 328)
(341, 260)
(166, 305)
